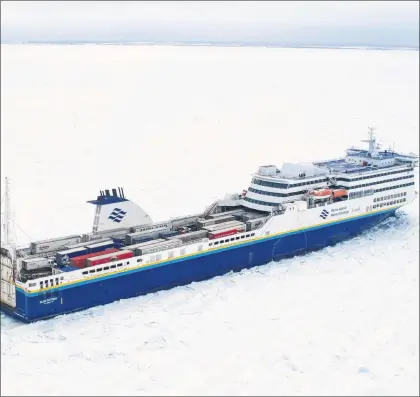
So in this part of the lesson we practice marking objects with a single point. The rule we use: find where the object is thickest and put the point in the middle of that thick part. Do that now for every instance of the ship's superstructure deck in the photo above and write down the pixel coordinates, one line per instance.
(271, 186)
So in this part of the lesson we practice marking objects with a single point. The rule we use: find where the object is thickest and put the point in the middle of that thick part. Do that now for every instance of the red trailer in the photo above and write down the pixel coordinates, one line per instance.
(80, 261)
(225, 232)
(112, 257)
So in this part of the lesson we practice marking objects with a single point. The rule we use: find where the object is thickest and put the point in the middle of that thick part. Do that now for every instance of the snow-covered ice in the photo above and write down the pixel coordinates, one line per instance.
(178, 127)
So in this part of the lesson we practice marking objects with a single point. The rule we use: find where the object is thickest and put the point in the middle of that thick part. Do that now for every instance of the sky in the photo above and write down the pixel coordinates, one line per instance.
(376, 23)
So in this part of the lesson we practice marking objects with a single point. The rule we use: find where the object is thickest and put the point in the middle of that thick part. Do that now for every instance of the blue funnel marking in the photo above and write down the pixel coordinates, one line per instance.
(117, 215)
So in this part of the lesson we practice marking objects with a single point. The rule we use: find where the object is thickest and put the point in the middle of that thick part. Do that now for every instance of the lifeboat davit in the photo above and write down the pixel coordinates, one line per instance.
(340, 192)
(321, 193)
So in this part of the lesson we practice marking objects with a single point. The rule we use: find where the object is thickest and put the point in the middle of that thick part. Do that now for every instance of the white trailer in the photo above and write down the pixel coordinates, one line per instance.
(54, 244)
(150, 249)
(224, 225)
(130, 237)
(105, 233)
(84, 244)
(141, 245)
(200, 234)
(156, 227)
(35, 263)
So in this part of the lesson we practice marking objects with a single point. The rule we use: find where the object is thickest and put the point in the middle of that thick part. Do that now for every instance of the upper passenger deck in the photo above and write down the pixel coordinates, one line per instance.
(356, 161)
(386, 154)
(345, 167)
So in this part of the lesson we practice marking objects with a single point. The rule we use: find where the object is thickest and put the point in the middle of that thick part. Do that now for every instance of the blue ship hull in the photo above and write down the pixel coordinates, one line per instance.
(67, 299)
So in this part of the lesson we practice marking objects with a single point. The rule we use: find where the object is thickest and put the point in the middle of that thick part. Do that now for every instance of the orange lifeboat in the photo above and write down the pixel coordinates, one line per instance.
(340, 192)
(321, 192)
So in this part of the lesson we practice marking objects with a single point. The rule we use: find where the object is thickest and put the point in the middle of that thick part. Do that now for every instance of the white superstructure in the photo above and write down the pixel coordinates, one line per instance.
(361, 172)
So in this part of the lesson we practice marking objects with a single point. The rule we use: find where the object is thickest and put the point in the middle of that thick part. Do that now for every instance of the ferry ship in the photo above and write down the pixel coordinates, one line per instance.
(284, 212)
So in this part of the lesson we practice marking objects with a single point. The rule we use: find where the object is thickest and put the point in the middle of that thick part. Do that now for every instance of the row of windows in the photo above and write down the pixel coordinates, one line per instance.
(379, 182)
(383, 189)
(389, 203)
(361, 193)
(286, 185)
(271, 184)
(306, 183)
(259, 202)
(352, 195)
(275, 194)
(232, 239)
(48, 283)
(374, 176)
(368, 192)
(182, 252)
(100, 269)
(390, 197)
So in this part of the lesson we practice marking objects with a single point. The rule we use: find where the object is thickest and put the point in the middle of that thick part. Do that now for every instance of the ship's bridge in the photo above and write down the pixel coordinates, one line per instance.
(383, 158)
(367, 160)
(373, 157)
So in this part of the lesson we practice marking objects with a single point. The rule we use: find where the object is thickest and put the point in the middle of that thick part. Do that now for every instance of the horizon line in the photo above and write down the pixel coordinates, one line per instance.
(212, 43)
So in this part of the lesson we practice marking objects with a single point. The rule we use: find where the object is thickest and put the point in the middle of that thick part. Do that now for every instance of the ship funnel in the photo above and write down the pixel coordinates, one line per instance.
(115, 211)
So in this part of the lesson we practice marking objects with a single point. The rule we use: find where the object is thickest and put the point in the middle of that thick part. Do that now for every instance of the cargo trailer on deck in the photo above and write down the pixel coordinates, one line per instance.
(201, 223)
(80, 261)
(105, 233)
(101, 246)
(168, 233)
(107, 258)
(54, 244)
(216, 220)
(220, 226)
(141, 239)
(62, 258)
(84, 243)
(253, 224)
(162, 246)
(35, 263)
(226, 232)
(131, 237)
(119, 241)
(157, 227)
(143, 244)
(189, 237)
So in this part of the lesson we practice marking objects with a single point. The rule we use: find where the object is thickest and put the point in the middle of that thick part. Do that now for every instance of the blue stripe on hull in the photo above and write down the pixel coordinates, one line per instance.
(84, 296)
